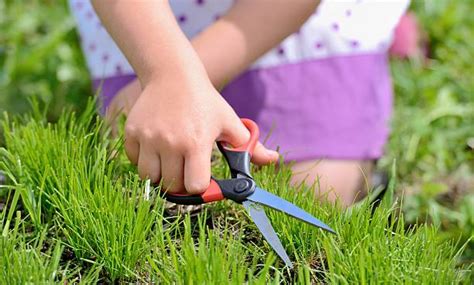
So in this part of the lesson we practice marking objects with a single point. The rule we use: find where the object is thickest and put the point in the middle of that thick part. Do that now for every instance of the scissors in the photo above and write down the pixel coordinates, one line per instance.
(241, 188)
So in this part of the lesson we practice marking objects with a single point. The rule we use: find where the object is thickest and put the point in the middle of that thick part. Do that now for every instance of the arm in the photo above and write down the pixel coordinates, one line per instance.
(239, 34)
(135, 25)
(172, 127)
(246, 32)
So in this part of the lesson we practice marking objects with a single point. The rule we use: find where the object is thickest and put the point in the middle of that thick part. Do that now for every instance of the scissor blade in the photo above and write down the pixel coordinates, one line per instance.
(263, 197)
(263, 224)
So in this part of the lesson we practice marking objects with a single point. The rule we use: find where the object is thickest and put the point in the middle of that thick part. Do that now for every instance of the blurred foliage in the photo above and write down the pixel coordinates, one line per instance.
(40, 57)
(434, 121)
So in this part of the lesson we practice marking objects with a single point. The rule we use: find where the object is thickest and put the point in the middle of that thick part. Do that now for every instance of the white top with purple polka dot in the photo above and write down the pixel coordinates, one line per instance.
(337, 28)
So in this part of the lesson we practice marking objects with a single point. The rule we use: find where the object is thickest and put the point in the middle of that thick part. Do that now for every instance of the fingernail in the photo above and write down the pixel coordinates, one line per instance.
(272, 153)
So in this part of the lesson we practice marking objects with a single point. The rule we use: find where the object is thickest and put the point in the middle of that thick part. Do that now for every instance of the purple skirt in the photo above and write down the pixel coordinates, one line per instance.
(335, 108)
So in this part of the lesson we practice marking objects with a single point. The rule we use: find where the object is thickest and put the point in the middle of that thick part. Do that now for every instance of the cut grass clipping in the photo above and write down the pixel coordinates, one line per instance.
(77, 212)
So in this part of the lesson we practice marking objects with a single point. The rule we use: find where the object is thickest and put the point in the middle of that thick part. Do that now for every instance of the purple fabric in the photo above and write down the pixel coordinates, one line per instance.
(108, 88)
(337, 108)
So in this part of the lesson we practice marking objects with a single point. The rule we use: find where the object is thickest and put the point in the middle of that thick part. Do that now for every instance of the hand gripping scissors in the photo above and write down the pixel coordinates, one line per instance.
(241, 188)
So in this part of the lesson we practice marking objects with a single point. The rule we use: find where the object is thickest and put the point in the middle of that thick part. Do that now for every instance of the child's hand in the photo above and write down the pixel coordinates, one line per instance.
(171, 130)
(172, 127)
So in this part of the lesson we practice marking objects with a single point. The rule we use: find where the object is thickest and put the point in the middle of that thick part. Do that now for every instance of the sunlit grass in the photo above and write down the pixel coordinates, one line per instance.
(74, 214)
(33, 259)
(72, 185)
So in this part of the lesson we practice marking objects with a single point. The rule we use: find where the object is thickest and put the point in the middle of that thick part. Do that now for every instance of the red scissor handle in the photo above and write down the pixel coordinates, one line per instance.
(238, 159)
(212, 193)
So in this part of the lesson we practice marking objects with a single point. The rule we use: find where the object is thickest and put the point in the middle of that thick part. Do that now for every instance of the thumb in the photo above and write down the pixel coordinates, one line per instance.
(236, 134)
(262, 155)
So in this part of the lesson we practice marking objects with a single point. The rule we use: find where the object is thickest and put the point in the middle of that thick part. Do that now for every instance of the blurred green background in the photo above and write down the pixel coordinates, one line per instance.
(433, 125)
(40, 57)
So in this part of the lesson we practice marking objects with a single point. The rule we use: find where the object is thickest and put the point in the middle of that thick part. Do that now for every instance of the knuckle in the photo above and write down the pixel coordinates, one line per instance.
(147, 134)
(131, 130)
(190, 145)
(142, 132)
(167, 138)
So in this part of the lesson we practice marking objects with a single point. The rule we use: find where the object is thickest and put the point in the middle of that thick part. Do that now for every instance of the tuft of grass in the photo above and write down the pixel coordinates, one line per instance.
(110, 224)
(368, 246)
(24, 261)
(71, 175)
(193, 253)
(65, 171)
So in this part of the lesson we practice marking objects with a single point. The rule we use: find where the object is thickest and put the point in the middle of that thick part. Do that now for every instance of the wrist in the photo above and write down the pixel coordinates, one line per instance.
(177, 83)
(181, 66)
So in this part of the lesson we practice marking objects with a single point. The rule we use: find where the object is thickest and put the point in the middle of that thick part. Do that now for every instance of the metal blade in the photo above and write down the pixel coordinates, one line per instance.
(263, 224)
(263, 197)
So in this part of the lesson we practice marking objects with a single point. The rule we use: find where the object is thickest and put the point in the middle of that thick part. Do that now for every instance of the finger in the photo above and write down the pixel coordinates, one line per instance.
(172, 172)
(132, 149)
(237, 134)
(262, 155)
(148, 164)
(197, 171)
(234, 133)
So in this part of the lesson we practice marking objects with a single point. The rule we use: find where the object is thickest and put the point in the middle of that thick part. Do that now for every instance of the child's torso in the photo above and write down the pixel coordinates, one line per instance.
(336, 28)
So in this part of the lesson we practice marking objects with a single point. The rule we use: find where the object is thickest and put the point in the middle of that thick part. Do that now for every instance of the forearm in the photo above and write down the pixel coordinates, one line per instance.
(246, 32)
(225, 48)
(150, 38)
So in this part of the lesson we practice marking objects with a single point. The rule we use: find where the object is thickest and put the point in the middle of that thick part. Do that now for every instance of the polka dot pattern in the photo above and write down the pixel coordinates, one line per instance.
(79, 5)
(89, 14)
(92, 47)
(182, 19)
(335, 28)
(118, 69)
(318, 45)
(281, 51)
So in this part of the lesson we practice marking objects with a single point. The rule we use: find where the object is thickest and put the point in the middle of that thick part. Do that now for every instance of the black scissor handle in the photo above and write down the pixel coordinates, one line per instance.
(238, 158)
(236, 189)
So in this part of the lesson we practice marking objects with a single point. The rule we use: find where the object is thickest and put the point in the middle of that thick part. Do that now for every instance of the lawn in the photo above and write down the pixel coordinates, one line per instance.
(74, 210)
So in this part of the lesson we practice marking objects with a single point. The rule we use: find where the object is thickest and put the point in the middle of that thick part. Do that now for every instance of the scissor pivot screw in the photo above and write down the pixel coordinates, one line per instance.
(241, 186)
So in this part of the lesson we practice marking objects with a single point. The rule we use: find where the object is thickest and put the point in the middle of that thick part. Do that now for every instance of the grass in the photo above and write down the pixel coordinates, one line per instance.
(435, 95)
(71, 185)
(74, 170)
(73, 214)
(27, 258)
(23, 262)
